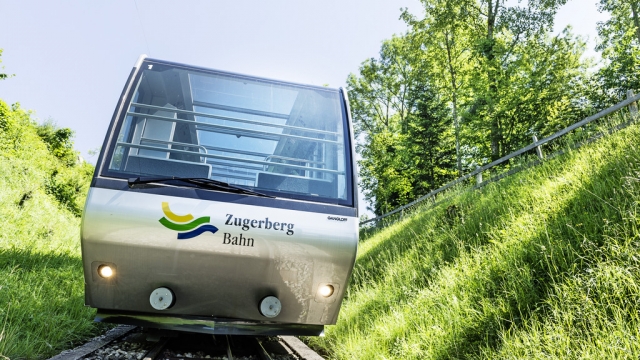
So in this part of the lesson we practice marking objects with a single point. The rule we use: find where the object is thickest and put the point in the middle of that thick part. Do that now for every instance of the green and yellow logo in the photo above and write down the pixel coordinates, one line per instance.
(189, 227)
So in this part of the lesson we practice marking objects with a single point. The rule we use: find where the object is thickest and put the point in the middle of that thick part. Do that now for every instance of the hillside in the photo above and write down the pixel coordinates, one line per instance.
(42, 190)
(543, 264)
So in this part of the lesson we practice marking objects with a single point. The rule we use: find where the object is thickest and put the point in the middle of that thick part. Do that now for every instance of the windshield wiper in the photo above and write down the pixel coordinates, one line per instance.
(203, 182)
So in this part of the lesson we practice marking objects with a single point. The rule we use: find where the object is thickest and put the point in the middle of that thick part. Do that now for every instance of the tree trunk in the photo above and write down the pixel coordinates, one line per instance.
(454, 100)
(456, 125)
(496, 133)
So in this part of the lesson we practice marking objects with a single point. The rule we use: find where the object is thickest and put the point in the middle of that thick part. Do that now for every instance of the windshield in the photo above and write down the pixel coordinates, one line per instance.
(284, 139)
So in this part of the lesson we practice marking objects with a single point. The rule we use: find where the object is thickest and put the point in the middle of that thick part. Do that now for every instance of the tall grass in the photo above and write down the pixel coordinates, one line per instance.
(543, 264)
(41, 283)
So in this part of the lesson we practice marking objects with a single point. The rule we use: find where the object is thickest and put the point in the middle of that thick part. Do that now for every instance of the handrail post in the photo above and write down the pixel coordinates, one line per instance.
(479, 176)
(538, 148)
(633, 107)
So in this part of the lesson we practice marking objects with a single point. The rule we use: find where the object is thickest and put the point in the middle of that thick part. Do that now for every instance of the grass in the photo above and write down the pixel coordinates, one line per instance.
(41, 283)
(543, 264)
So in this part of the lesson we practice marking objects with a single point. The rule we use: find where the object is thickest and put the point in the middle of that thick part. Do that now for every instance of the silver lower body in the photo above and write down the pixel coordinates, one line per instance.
(211, 278)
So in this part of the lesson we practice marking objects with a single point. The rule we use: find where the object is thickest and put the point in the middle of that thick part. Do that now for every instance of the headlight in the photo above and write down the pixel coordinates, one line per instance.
(326, 290)
(105, 271)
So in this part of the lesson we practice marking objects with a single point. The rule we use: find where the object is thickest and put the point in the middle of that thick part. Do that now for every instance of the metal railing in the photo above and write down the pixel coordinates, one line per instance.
(232, 130)
(231, 118)
(630, 101)
(226, 158)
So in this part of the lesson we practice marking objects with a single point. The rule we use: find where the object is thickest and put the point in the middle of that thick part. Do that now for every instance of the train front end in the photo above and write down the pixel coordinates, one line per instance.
(222, 203)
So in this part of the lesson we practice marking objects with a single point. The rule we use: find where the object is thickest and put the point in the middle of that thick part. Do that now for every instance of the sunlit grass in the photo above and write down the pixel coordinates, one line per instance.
(42, 308)
(541, 264)
(41, 283)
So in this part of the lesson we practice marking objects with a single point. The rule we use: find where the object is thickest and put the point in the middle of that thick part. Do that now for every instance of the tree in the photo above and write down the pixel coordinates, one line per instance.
(430, 143)
(470, 82)
(381, 103)
(541, 90)
(473, 48)
(620, 46)
(505, 27)
(380, 95)
(391, 100)
(445, 36)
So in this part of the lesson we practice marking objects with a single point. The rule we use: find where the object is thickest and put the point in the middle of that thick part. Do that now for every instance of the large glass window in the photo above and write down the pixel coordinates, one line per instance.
(278, 138)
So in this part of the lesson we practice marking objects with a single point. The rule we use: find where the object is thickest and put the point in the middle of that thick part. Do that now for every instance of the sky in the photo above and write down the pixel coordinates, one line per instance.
(71, 58)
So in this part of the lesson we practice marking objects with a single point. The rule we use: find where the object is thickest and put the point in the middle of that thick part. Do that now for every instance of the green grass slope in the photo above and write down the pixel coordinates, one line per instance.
(543, 264)
(41, 283)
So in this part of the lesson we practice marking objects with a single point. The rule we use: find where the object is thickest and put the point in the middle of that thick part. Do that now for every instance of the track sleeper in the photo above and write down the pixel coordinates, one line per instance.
(95, 344)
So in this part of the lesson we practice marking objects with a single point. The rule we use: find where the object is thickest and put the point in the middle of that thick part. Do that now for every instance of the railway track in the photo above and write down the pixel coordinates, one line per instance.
(135, 343)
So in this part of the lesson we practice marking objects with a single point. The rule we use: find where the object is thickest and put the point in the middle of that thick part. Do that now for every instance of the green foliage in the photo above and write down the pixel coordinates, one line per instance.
(502, 77)
(381, 97)
(498, 79)
(41, 196)
(539, 92)
(60, 173)
(542, 264)
(59, 142)
(430, 144)
(405, 125)
(446, 37)
(500, 30)
(70, 185)
(620, 46)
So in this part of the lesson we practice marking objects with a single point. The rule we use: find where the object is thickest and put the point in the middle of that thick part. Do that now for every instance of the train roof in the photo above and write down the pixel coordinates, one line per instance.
(224, 72)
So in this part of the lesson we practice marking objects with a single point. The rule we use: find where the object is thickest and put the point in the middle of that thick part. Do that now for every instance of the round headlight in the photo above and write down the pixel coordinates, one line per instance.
(326, 290)
(105, 271)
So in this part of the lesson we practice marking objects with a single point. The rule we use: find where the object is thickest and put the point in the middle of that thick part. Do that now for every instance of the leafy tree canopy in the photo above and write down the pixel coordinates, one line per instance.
(469, 82)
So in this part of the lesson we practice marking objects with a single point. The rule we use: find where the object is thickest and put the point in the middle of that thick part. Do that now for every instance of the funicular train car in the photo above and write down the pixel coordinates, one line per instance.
(222, 203)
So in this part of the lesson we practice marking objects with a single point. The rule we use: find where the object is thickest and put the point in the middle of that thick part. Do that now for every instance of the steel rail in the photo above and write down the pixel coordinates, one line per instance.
(229, 353)
(166, 344)
(95, 344)
(262, 352)
(155, 351)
